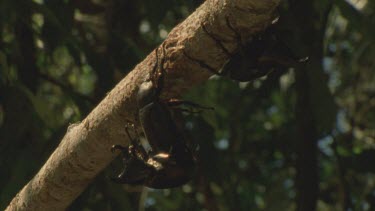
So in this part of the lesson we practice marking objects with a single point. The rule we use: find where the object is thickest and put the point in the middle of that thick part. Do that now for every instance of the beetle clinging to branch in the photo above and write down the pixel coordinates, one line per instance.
(170, 162)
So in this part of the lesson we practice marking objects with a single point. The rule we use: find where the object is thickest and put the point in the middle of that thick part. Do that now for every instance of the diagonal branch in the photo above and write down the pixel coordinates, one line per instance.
(85, 149)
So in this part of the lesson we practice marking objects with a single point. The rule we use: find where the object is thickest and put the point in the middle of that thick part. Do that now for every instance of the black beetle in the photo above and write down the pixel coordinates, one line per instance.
(171, 162)
(258, 58)
(263, 54)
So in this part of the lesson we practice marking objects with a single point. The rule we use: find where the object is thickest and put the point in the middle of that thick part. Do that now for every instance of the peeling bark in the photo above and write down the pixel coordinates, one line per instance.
(190, 55)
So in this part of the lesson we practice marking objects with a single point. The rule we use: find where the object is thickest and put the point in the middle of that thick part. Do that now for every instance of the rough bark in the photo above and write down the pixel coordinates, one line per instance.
(188, 52)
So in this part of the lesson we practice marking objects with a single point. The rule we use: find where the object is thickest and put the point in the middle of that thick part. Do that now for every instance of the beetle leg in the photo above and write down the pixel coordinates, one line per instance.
(217, 41)
(132, 140)
(135, 129)
(135, 172)
(202, 64)
(188, 111)
(118, 147)
(136, 169)
(176, 102)
(126, 152)
(192, 107)
(158, 71)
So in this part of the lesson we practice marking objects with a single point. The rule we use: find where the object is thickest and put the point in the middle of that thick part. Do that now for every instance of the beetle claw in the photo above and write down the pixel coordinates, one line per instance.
(118, 147)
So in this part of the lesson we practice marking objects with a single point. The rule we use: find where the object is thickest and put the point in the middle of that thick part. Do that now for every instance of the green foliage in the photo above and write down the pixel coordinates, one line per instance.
(59, 58)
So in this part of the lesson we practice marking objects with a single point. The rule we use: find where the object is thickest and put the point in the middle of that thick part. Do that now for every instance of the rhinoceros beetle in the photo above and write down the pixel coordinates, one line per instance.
(260, 56)
(170, 162)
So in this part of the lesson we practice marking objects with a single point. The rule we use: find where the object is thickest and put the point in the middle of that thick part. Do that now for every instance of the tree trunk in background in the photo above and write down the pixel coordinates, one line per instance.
(310, 32)
(307, 180)
(187, 53)
(28, 70)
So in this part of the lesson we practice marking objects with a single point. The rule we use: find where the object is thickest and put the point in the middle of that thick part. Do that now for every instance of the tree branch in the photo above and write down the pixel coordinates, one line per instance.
(85, 149)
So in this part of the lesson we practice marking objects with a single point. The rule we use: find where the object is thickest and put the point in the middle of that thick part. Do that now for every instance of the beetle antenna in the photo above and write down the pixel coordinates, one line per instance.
(132, 140)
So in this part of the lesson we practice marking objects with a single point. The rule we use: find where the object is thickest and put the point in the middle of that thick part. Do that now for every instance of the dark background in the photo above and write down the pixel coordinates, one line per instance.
(298, 139)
